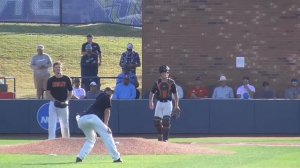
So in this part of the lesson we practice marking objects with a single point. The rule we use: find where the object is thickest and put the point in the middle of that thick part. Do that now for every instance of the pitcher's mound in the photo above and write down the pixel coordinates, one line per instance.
(126, 146)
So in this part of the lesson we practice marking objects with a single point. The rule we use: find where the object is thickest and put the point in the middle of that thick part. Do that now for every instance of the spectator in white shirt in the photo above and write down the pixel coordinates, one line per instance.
(78, 92)
(246, 91)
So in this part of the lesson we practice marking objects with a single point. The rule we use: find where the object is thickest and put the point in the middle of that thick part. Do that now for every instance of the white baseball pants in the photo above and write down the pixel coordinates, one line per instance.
(61, 115)
(163, 109)
(90, 125)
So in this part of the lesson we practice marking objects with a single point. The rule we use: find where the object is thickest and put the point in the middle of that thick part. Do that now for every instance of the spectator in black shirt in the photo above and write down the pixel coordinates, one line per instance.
(95, 47)
(89, 68)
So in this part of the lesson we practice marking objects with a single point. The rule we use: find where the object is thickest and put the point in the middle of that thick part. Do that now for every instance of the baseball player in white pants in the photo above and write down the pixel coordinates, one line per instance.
(61, 115)
(59, 91)
(164, 88)
(90, 123)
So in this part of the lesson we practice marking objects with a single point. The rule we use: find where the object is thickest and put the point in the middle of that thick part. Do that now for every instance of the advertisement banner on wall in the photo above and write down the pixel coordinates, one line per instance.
(126, 12)
(43, 115)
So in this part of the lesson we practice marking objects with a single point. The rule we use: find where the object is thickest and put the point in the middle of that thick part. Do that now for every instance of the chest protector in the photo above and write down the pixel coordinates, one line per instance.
(164, 89)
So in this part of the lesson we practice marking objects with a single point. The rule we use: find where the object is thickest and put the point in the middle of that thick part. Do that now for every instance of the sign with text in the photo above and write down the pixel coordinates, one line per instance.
(127, 12)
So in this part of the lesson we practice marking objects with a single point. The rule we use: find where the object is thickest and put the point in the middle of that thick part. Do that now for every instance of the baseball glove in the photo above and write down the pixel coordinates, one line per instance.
(176, 113)
(59, 104)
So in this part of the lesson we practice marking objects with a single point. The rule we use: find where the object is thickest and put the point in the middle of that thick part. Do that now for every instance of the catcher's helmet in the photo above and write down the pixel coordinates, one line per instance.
(164, 68)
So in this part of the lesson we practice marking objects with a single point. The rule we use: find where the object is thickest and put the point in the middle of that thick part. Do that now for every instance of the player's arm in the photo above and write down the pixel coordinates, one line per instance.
(106, 116)
(70, 89)
(151, 96)
(176, 97)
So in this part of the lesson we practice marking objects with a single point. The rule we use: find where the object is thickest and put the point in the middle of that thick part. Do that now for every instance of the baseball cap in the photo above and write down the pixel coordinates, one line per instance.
(88, 47)
(109, 89)
(129, 46)
(40, 47)
(294, 80)
(93, 84)
(90, 36)
(223, 78)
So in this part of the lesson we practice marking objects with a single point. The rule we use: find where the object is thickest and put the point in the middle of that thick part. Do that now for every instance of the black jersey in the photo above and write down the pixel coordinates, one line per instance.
(59, 87)
(102, 102)
(164, 90)
(95, 48)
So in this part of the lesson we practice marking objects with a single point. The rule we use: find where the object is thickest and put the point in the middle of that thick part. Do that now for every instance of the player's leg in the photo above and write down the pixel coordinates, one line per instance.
(158, 120)
(166, 121)
(85, 124)
(106, 135)
(63, 116)
(52, 120)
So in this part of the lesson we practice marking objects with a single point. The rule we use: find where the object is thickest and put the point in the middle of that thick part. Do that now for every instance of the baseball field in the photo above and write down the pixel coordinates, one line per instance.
(213, 152)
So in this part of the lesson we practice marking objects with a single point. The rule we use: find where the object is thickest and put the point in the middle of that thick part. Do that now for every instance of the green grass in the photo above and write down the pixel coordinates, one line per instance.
(226, 140)
(18, 44)
(243, 157)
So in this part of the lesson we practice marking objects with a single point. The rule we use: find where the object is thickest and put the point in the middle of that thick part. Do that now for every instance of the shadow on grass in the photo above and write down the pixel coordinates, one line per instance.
(97, 29)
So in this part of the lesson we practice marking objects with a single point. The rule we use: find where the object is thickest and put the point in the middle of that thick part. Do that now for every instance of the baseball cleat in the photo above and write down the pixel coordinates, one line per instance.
(78, 160)
(118, 160)
(160, 138)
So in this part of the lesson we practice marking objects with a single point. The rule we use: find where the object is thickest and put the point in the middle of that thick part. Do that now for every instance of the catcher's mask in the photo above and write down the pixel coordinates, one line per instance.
(164, 68)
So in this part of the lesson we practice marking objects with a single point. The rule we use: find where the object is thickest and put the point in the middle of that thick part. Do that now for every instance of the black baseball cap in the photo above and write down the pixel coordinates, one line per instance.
(90, 35)
(109, 89)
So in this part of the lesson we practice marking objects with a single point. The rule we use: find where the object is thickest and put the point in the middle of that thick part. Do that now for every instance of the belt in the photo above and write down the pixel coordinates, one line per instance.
(164, 100)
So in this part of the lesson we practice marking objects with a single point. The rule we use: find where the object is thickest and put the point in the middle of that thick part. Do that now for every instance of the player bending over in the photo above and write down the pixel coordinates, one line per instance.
(95, 120)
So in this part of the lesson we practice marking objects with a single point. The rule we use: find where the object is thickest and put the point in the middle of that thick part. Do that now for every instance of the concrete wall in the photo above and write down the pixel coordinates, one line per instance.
(199, 116)
(204, 37)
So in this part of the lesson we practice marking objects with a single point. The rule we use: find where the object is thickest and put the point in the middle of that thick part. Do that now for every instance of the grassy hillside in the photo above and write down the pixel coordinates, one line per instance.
(18, 44)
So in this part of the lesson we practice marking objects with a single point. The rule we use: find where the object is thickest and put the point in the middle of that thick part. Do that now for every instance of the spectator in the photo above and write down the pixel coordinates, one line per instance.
(294, 91)
(266, 92)
(125, 90)
(246, 91)
(198, 91)
(78, 92)
(94, 92)
(89, 68)
(41, 65)
(179, 91)
(223, 91)
(126, 72)
(95, 47)
(130, 59)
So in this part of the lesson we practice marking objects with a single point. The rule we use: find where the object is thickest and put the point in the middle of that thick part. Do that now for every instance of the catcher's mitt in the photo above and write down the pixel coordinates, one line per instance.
(176, 113)
(59, 104)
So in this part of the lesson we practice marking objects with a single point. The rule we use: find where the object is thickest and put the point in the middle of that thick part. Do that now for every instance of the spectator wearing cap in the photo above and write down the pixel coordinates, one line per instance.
(125, 90)
(95, 47)
(267, 92)
(126, 72)
(130, 59)
(41, 65)
(89, 68)
(94, 92)
(293, 92)
(78, 92)
(246, 91)
(223, 91)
